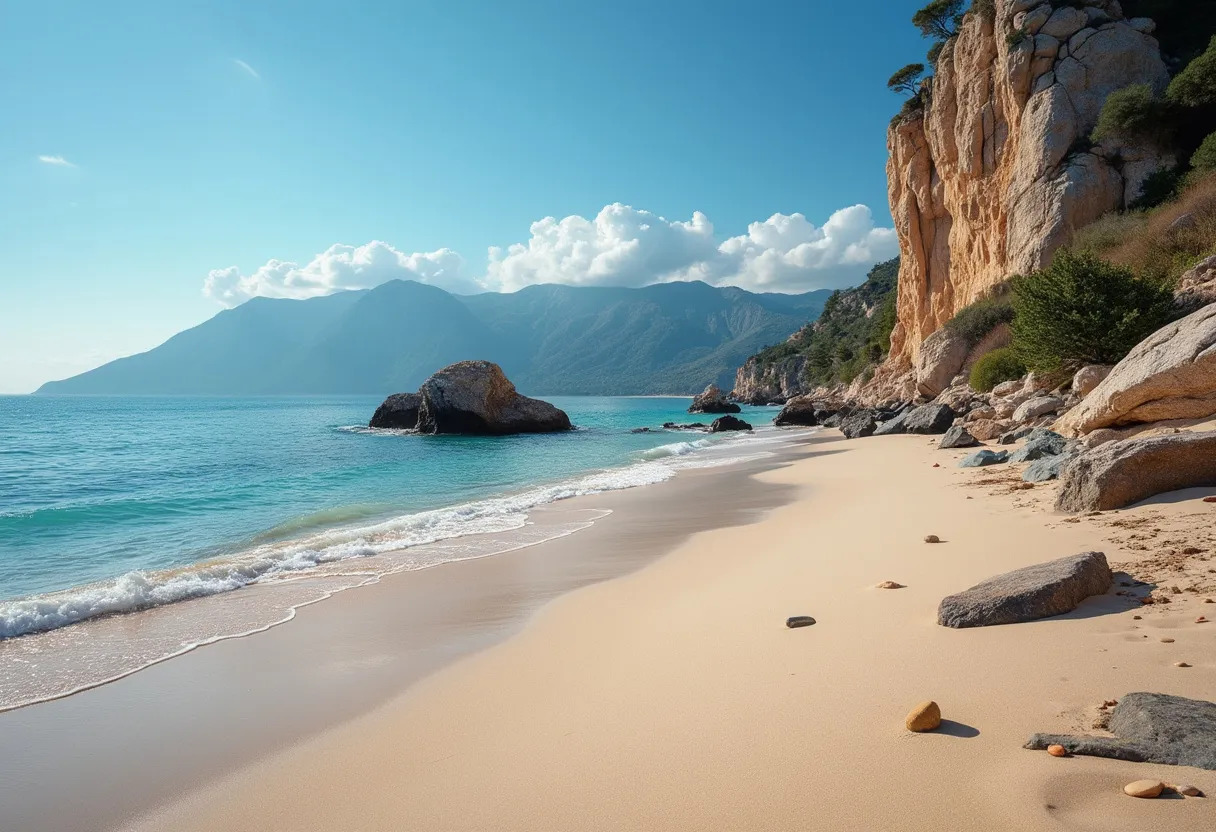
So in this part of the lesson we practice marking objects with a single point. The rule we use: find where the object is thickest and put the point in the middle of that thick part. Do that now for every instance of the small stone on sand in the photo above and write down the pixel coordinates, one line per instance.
(1188, 790)
(1167, 641)
(1201, 620)
(1209, 499)
(932, 538)
(799, 621)
(890, 585)
(1181, 664)
(924, 717)
(1144, 788)
(1208, 601)
(1057, 751)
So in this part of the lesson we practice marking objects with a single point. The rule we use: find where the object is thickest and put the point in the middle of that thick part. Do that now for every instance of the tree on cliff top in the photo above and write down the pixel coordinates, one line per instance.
(940, 19)
(907, 80)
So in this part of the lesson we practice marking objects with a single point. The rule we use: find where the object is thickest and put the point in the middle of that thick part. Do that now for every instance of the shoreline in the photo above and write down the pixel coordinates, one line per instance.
(447, 623)
(675, 698)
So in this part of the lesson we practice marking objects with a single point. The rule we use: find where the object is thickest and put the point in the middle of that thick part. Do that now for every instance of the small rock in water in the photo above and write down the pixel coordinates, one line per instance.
(1057, 751)
(932, 538)
(1188, 790)
(1181, 664)
(1144, 788)
(890, 585)
(796, 621)
(924, 717)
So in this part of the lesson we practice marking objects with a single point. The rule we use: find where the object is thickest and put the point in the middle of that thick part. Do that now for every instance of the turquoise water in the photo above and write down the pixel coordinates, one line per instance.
(108, 504)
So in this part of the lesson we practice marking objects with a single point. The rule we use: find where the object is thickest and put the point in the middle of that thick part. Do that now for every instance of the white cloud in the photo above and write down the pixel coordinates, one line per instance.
(621, 246)
(252, 72)
(55, 160)
(338, 267)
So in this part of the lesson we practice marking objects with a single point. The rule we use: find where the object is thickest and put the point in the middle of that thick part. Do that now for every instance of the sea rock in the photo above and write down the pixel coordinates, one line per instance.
(1169, 375)
(1089, 377)
(701, 426)
(399, 410)
(728, 423)
(929, 418)
(1118, 474)
(1150, 728)
(475, 397)
(1036, 407)
(958, 437)
(981, 459)
(712, 400)
(759, 382)
(858, 425)
(1039, 443)
(1028, 594)
(1047, 468)
(1144, 788)
(798, 411)
(940, 360)
(926, 716)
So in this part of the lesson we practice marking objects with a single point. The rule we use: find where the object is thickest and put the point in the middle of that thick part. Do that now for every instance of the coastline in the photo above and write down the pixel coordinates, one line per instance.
(675, 698)
(337, 660)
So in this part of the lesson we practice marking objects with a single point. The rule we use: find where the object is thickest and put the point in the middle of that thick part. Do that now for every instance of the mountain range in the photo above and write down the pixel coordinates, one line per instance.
(549, 339)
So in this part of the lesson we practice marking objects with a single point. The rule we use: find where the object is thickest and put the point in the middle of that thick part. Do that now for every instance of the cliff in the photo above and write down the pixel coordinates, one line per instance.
(994, 170)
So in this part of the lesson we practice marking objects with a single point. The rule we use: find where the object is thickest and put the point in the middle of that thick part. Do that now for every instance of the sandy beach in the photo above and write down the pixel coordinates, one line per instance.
(675, 698)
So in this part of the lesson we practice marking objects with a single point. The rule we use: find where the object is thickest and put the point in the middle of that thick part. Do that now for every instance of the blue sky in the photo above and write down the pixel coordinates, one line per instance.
(162, 160)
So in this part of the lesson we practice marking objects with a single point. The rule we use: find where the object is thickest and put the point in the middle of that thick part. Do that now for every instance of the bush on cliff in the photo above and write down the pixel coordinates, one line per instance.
(998, 366)
(1134, 114)
(1083, 310)
(975, 321)
(1204, 159)
(1195, 86)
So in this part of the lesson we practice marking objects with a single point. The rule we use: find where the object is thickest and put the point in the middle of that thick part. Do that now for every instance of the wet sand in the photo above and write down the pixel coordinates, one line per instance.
(98, 758)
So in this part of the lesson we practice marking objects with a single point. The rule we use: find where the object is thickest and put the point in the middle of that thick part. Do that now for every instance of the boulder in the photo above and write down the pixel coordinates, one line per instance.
(1118, 474)
(1150, 728)
(1014, 435)
(1047, 468)
(1169, 375)
(1040, 442)
(1197, 286)
(701, 426)
(728, 423)
(1008, 388)
(399, 410)
(929, 418)
(987, 429)
(475, 397)
(799, 411)
(712, 400)
(984, 458)
(1028, 594)
(1089, 377)
(940, 359)
(1037, 406)
(958, 437)
(894, 425)
(858, 425)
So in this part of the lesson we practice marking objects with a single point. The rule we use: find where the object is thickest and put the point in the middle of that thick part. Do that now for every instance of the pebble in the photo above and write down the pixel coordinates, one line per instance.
(1137, 617)
(932, 538)
(1201, 620)
(1167, 641)
(1191, 550)
(1110, 703)
(1209, 499)
(1188, 790)
(1181, 664)
(1208, 601)
(1057, 751)
(1144, 788)
(799, 621)
(924, 717)
(890, 585)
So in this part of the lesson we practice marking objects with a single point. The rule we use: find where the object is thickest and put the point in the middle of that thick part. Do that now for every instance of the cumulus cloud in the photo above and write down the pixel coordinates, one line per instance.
(58, 161)
(338, 267)
(620, 246)
(253, 73)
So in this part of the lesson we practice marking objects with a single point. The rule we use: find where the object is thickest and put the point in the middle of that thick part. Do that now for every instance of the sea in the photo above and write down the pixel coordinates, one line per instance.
(203, 518)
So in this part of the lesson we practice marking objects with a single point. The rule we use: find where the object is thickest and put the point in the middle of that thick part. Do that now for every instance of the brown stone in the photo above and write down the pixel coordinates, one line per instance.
(932, 538)
(1144, 788)
(1057, 751)
(1188, 790)
(926, 716)
(890, 585)
(1167, 640)
(1181, 664)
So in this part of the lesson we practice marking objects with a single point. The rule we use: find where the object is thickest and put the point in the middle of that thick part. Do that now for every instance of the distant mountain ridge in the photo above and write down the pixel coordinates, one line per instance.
(550, 339)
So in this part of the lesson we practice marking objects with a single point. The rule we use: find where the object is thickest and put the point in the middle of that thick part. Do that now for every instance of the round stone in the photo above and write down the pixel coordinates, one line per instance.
(1057, 751)
(890, 585)
(1181, 664)
(1144, 788)
(924, 717)
(932, 538)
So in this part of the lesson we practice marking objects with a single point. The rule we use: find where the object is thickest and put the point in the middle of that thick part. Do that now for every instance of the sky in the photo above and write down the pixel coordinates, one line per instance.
(162, 161)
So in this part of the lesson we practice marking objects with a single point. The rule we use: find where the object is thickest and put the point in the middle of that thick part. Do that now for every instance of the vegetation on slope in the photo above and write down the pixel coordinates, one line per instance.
(851, 335)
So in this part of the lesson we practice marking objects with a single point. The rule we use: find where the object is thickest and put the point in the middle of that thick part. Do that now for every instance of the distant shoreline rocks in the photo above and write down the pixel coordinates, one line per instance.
(712, 400)
(473, 398)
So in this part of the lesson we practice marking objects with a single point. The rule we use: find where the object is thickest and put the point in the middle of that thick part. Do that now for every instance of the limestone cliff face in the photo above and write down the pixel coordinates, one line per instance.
(996, 171)
(762, 383)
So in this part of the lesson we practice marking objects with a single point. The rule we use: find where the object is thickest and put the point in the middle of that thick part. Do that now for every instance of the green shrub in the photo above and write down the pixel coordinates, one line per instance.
(1159, 187)
(1133, 113)
(907, 80)
(1195, 86)
(1109, 232)
(1082, 310)
(1204, 159)
(977, 320)
(996, 367)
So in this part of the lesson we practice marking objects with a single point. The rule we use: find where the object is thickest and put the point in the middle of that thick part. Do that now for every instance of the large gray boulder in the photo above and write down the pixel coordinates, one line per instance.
(1028, 594)
(929, 418)
(858, 425)
(799, 411)
(1047, 468)
(940, 359)
(1118, 474)
(475, 397)
(984, 458)
(1039, 443)
(1169, 375)
(712, 400)
(399, 410)
(1149, 728)
(958, 437)
(725, 424)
